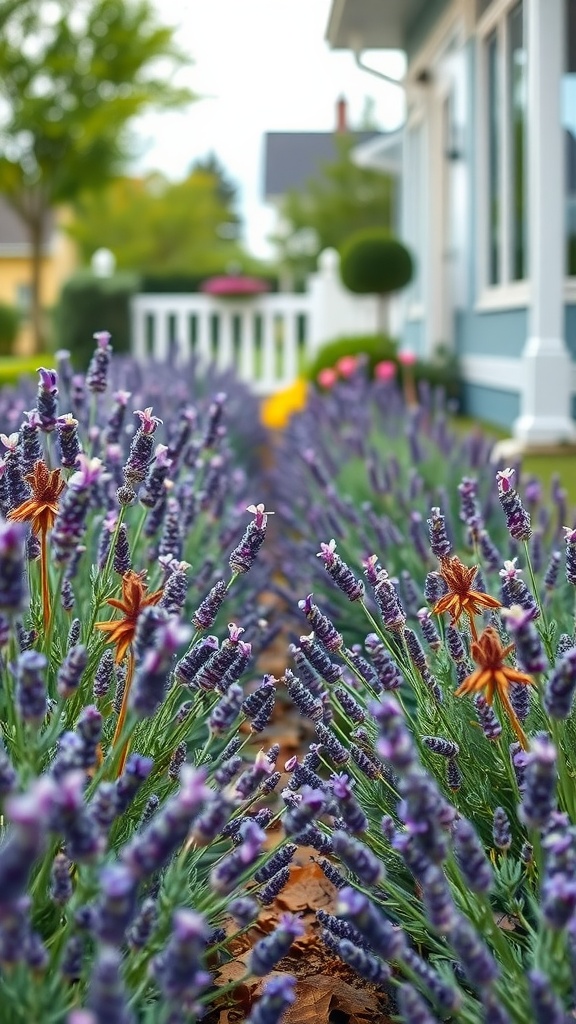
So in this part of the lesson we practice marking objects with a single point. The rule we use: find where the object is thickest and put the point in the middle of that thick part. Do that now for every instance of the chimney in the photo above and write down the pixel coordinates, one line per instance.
(341, 115)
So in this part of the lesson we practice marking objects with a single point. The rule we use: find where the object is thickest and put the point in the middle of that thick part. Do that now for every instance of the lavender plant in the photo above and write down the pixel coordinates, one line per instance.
(440, 789)
(134, 812)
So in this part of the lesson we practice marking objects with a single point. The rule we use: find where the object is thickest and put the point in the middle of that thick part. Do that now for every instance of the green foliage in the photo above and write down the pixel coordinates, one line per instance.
(375, 346)
(89, 304)
(159, 227)
(372, 262)
(341, 199)
(13, 368)
(441, 371)
(170, 284)
(71, 79)
(9, 324)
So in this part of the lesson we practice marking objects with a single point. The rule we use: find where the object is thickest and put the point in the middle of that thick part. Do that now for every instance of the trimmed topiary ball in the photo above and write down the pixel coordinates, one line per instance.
(372, 262)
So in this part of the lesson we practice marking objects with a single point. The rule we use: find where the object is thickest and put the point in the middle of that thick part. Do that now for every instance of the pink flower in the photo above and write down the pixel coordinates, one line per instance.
(407, 358)
(386, 370)
(346, 366)
(327, 377)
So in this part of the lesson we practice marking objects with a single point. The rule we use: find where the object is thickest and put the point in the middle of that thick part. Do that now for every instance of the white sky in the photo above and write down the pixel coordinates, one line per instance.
(261, 65)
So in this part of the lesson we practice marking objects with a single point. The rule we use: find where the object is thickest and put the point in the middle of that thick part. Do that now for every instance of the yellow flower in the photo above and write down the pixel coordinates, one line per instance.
(276, 410)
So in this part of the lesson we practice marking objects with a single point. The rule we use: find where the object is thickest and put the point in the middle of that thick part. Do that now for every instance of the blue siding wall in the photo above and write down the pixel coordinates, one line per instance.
(491, 404)
(501, 333)
(413, 336)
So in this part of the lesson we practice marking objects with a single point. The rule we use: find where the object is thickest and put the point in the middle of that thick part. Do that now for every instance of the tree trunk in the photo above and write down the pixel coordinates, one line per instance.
(382, 322)
(36, 315)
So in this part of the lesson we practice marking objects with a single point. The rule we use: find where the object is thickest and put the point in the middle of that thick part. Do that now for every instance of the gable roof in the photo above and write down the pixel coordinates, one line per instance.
(292, 158)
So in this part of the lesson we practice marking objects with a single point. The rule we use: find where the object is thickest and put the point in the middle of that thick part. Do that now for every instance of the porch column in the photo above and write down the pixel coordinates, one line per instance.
(546, 398)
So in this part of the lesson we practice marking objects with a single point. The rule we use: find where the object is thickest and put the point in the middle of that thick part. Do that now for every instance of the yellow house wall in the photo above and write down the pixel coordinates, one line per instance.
(57, 266)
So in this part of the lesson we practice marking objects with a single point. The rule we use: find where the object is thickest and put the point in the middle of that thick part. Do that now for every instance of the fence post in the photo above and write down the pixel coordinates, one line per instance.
(335, 312)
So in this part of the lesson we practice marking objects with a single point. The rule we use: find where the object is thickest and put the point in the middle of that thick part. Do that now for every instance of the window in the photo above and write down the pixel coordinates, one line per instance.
(504, 98)
(569, 124)
(517, 85)
(494, 134)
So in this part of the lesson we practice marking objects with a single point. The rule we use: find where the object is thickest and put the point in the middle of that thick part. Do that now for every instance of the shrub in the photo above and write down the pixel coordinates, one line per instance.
(173, 284)
(88, 304)
(9, 324)
(375, 346)
(374, 263)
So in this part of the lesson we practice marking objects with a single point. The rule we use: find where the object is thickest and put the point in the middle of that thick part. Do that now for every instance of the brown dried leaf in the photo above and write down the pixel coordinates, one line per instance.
(319, 996)
(307, 889)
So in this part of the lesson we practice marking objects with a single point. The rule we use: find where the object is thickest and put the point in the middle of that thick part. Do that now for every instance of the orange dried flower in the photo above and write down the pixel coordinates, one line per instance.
(461, 598)
(41, 508)
(494, 677)
(134, 599)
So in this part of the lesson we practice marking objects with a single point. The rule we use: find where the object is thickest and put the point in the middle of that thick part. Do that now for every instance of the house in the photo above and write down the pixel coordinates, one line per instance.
(489, 194)
(59, 261)
(292, 159)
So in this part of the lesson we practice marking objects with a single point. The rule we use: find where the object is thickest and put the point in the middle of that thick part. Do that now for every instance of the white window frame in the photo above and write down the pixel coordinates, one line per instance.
(507, 293)
(416, 122)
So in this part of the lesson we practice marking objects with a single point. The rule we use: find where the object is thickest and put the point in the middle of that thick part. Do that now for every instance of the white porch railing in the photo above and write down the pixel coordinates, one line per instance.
(265, 339)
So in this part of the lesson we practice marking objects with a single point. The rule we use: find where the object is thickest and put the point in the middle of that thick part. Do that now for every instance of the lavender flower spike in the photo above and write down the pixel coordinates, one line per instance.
(570, 539)
(266, 953)
(539, 793)
(561, 685)
(277, 995)
(97, 373)
(340, 572)
(106, 996)
(517, 518)
(13, 589)
(243, 557)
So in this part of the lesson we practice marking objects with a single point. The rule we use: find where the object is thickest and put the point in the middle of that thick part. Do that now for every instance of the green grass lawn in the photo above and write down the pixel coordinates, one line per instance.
(544, 466)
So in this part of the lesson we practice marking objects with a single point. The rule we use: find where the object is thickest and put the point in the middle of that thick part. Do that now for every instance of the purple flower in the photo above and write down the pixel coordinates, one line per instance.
(412, 1006)
(97, 372)
(31, 686)
(559, 692)
(546, 1006)
(13, 589)
(179, 970)
(340, 572)
(472, 861)
(517, 518)
(106, 996)
(395, 743)
(151, 675)
(386, 940)
(47, 399)
(439, 540)
(539, 794)
(324, 629)
(116, 905)
(529, 650)
(266, 953)
(277, 995)
(358, 858)
(501, 831)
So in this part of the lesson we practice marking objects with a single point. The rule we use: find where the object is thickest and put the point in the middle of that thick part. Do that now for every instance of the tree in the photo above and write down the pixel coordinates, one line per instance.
(156, 226)
(341, 199)
(73, 73)
(372, 262)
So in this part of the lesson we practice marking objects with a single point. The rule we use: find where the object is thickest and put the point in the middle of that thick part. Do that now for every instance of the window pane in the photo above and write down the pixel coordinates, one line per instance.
(517, 85)
(569, 123)
(493, 160)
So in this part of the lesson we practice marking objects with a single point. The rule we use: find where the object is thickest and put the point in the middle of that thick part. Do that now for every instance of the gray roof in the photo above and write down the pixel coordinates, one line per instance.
(13, 232)
(292, 158)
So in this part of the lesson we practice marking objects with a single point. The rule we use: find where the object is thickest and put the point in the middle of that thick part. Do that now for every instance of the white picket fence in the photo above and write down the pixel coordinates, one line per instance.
(266, 339)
